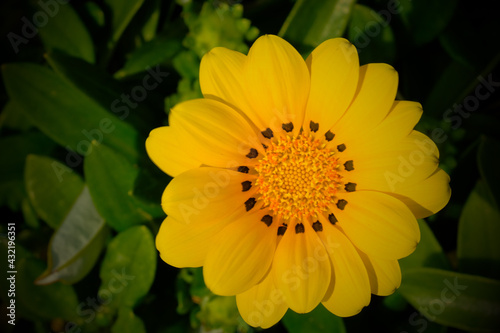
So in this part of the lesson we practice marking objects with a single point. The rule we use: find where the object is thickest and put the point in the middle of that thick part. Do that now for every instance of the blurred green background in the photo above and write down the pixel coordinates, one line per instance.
(84, 82)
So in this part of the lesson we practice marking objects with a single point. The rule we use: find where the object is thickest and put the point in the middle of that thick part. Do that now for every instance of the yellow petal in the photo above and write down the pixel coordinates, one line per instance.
(184, 245)
(222, 78)
(378, 224)
(205, 194)
(217, 134)
(241, 255)
(385, 275)
(349, 290)
(168, 151)
(428, 196)
(262, 305)
(377, 87)
(392, 166)
(277, 83)
(334, 68)
(302, 268)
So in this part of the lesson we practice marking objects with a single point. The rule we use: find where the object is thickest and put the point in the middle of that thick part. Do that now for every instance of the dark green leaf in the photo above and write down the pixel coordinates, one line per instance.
(312, 22)
(121, 15)
(52, 188)
(76, 245)
(425, 19)
(17, 148)
(111, 180)
(478, 248)
(154, 52)
(428, 253)
(33, 301)
(467, 302)
(65, 31)
(318, 320)
(128, 269)
(489, 165)
(11, 117)
(65, 114)
(372, 35)
(128, 322)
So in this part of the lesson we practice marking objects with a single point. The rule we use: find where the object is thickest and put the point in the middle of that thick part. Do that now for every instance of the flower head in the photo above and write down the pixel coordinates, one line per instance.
(295, 182)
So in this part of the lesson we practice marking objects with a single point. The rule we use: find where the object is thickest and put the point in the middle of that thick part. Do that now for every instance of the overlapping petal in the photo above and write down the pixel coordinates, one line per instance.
(385, 275)
(262, 305)
(302, 269)
(241, 255)
(334, 70)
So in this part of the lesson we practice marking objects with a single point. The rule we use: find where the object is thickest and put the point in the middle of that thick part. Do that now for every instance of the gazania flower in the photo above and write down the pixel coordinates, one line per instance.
(295, 182)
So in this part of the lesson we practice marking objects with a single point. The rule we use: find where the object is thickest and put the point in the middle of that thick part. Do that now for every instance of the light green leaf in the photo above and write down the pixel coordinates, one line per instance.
(111, 180)
(32, 301)
(76, 245)
(65, 114)
(425, 19)
(478, 248)
(428, 253)
(489, 164)
(372, 35)
(128, 322)
(121, 15)
(128, 269)
(318, 320)
(66, 32)
(52, 188)
(154, 52)
(14, 150)
(467, 302)
(312, 22)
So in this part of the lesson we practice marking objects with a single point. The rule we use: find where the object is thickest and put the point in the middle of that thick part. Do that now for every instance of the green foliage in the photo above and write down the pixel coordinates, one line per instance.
(81, 92)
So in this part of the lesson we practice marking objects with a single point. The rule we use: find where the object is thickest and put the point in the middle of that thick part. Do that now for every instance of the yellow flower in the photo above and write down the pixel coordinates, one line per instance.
(295, 182)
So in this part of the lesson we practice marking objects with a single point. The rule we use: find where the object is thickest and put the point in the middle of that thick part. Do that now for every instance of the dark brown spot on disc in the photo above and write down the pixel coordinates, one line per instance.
(350, 187)
(246, 185)
(253, 153)
(281, 230)
(299, 228)
(341, 147)
(329, 136)
(341, 204)
(313, 126)
(243, 169)
(332, 218)
(287, 127)
(268, 133)
(317, 226)
(349, 165)
(267, 219)
(250, 203)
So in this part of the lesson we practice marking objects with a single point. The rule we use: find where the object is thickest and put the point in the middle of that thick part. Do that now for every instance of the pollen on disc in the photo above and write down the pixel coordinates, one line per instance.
(298, 177)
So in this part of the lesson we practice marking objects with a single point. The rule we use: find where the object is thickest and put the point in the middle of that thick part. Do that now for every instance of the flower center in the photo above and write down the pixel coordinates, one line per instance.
(298, 177)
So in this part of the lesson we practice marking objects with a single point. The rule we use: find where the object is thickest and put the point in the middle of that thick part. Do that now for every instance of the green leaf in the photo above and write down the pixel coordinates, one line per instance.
(111, 180)
(428, 253)
(65, 31)
(76, 245)
(52, 188)
(65, 114)
(128, 322)
(425, 19)
(32, 301)
(17, 148)
(121, 15)
(489, 164)
(318, 320)
(154, 52)
(478, 249)
(372, 35)
(312, 22)
(467, 302)
(12, 118)
(128, 269)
